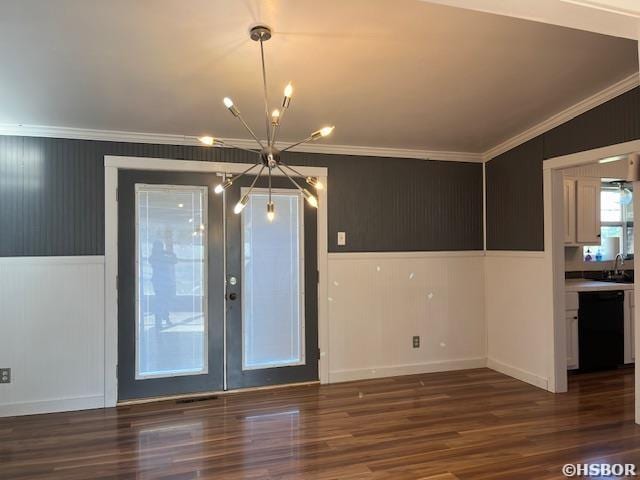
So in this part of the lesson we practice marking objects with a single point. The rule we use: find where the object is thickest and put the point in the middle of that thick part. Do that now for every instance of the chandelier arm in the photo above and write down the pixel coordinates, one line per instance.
(250, 131)
(296, 144)
(266, 96)
(276, 127)
(233, 179)
(292, 169)
(255, 180)
(230, 145)
(291, 179)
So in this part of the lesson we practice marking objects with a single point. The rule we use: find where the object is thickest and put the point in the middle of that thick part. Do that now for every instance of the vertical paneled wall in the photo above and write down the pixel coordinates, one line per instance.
(52, 337)
(514, 199)
(515, 207)
(378, 302)
(52, 197)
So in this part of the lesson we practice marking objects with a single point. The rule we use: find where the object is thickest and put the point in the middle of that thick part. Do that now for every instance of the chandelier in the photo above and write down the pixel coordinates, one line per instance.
(269, 157)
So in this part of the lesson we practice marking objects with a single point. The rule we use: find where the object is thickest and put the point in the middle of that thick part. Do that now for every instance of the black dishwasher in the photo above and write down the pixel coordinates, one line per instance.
(601, 330)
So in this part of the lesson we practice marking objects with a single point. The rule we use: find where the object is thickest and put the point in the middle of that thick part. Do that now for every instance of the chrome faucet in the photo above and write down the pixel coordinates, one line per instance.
(615, 264)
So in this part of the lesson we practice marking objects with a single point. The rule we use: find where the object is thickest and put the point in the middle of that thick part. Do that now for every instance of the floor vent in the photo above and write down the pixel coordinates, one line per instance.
(197, 399)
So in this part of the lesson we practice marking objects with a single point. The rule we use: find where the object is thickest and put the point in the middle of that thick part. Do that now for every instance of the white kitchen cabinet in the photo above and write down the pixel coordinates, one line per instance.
(569, 190)
(572, 340)
(588, 211)
(571, 317)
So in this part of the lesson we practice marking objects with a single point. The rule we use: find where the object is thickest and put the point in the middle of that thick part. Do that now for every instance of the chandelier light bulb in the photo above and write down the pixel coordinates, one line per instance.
(223, 186)
(323, 132)
(229, 104)
(313, 201)
(288, 92)
(275, 117)
(271, 212)
(326, 131)
(241, 204)
(315, 183)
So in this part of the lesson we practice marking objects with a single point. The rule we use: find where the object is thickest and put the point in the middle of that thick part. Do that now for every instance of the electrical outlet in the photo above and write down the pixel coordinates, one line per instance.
(5, 375)
(342, 239)
(416, 341)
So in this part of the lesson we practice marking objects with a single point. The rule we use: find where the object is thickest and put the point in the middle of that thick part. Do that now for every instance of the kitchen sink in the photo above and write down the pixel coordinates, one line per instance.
(618, 280)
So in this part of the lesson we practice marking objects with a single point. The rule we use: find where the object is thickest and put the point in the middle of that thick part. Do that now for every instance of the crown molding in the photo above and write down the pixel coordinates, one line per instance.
(579, 108)
(631, 12)
(390, 152)
(168, 139)
(603, 96)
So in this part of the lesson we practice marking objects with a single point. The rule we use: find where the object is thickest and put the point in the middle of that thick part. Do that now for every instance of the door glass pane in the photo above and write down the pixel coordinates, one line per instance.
(272, 300)
(171, 293)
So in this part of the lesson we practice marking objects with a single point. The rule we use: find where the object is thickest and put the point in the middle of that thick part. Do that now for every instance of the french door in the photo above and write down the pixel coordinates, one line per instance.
(170, 284)
(183, 325)
(272, 278)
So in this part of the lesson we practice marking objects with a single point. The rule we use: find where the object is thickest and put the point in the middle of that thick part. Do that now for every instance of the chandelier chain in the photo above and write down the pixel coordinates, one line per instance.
(266, 95)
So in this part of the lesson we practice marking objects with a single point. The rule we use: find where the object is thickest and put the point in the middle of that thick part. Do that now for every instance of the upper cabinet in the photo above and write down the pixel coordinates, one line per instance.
(582, 211)
(570, 211)
(588, 211)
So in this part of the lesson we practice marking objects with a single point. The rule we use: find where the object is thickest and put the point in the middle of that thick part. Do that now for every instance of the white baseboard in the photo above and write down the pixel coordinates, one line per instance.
(52, 406)
(518, 373)
(410, 369)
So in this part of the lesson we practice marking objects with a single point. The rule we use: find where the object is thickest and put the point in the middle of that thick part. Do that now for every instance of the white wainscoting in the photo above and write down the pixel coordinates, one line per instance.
(52, 317)
(519, 315)
(379, 301)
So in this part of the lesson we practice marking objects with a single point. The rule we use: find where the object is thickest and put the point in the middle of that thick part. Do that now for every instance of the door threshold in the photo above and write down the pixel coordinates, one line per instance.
(187, 396)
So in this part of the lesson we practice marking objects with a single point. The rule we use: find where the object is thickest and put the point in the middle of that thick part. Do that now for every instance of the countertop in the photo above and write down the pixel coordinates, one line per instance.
(585, 285)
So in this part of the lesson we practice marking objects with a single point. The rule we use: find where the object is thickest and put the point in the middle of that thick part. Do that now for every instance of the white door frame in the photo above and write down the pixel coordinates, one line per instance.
(554, 242)
(111, 166)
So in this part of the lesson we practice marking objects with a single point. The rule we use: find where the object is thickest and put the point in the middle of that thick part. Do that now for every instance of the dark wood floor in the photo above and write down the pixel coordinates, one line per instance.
(466, 425)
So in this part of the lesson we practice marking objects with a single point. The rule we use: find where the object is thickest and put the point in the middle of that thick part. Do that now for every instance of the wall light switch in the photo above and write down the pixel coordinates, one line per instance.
(342, 239)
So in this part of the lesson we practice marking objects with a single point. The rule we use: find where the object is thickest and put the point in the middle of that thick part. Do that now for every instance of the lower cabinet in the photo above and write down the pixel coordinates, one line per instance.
(571, 317)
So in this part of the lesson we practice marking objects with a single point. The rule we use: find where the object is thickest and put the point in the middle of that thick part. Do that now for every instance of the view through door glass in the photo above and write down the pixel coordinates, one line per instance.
(171, 294)
(271, 288)
(171, 252)
(273, 266)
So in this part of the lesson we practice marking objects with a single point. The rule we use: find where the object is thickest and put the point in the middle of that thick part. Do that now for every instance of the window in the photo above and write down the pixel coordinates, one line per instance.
(616, 217)
(171, 294)
(273, 282)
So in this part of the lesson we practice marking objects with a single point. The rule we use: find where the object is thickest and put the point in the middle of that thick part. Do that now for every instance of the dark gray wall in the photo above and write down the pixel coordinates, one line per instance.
(615, 121)
(515, 205)
(52, 197)
(514, 199)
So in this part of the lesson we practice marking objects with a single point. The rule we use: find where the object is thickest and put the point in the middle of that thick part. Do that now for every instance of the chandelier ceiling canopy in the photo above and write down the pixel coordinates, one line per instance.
(269, 157)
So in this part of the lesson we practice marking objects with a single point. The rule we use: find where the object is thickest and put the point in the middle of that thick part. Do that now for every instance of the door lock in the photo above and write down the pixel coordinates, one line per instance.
(233, 296)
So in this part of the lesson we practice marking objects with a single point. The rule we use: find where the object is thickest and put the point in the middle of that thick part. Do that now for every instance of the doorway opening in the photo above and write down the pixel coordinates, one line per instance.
(591, 238)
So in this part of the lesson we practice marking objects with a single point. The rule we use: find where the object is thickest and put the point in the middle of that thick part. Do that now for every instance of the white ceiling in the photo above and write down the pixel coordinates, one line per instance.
(387, 73)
